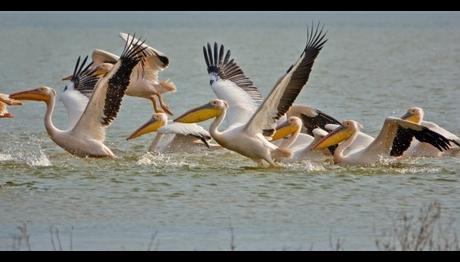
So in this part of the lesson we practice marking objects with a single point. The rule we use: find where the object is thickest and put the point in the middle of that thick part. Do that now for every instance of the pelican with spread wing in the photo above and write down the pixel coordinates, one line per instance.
(417, 148)
(4, 102)
(86, 138)
(389, 142)
(144, 80)
(245, 133)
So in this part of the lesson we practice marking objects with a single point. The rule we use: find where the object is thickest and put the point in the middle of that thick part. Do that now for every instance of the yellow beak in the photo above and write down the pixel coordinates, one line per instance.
(284, 130)
(199, 114)
(338, 135)
(411, 118)
(151, 126)
(34, 95)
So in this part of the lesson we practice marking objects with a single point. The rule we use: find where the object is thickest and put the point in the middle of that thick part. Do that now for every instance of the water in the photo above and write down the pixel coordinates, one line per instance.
(373, 66)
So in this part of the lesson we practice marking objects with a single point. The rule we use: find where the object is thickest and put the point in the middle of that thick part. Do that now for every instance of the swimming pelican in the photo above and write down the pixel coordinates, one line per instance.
(4, 102)
(313, 118)
(386, 144)
(417, 149)
(290, 129)
(171, 136)
(144, 80)
(86, 138)
(247, 138)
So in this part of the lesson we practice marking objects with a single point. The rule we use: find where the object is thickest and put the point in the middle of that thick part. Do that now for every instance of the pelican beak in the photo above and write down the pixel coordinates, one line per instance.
(151, 126)
(199, 114)
(410, 117)
(33, 94)
(333, 138)
(284, 130)
(67, 78)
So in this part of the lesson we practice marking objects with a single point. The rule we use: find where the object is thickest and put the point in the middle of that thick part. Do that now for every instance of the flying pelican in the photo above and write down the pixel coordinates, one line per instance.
(144, 80)
(417, 149)
(247, 138)
(4, 101)
(179, 137)
(86, 138)
(386, 144)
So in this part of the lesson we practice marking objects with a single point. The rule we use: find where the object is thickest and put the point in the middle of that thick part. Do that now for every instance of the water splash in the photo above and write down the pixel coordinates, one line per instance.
(6, 157)
(29, 152)
(161, 160)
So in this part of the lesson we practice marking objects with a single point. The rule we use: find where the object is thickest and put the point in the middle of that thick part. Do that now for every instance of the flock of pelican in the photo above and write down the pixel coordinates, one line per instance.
(267, 130)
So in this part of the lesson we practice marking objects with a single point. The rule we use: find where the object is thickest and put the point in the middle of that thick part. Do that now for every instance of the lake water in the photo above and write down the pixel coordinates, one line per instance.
(374, 65)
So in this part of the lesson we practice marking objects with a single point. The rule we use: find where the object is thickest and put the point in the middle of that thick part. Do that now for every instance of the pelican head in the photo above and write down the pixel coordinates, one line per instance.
(42, 93)
(345, 131)
(292, 125)
(157, 121)
(212, 109)
(414, 115)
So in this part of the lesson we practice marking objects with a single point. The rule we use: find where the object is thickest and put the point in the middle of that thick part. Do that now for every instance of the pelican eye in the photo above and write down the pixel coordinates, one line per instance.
(65, 88)
(211, 82)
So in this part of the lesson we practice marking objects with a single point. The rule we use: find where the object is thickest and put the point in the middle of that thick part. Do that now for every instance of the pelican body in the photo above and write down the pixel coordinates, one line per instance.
(86, 137)
(246, 137)
(387, 144)
(422, 149)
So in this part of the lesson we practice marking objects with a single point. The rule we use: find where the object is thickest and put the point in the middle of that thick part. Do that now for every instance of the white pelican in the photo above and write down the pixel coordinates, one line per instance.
(4, 102)
(385, 145)
(144, 80)
(246, 138)
(417, 149)
(290, 129)
(313, 118)
(173, 137)
(86, 138)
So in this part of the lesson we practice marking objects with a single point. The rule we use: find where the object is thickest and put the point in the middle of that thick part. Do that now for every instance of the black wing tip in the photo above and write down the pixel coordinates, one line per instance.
(316, 39)
(215, 56)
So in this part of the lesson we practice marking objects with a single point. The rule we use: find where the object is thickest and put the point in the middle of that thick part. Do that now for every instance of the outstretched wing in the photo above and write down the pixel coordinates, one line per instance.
(105, 102)
(229, 83)
(289, 86)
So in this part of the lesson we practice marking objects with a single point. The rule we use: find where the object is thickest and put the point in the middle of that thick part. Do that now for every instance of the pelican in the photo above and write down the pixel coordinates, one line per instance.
(313, 118)
(144, 80)
(4, 102)
(247, 138)
(86, 138)
(386, 144)
(179, 137)
(290, 130)
(417, 149)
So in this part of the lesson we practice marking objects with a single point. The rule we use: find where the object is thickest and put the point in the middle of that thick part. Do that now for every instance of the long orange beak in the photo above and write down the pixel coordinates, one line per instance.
(284, 130)
(150, 126)
(33, 94)
(333, 138)
(199, 114)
